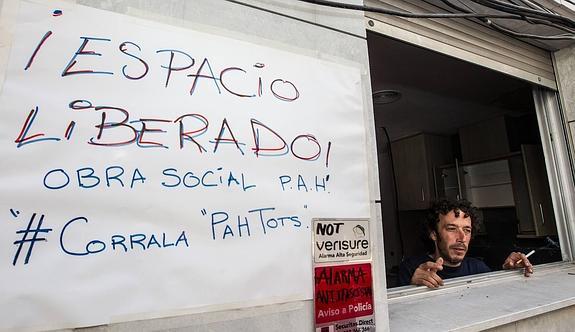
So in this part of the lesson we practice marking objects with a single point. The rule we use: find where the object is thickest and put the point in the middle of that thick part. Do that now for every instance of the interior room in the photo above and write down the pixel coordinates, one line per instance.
(448, 128)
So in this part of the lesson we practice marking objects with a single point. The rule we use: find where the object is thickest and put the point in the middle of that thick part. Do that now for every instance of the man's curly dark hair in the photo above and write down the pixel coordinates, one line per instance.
(443, 206)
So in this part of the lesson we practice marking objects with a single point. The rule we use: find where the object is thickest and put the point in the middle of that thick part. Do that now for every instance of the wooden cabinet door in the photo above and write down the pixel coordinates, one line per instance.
(411, 175)
(539, 193)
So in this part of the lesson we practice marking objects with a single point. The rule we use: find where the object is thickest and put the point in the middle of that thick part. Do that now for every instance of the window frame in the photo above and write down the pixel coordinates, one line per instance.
(559, 164)
(560, 173)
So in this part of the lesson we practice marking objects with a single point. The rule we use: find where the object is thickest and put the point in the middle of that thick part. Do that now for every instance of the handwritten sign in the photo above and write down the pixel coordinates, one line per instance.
(148, 169)
(344, 298)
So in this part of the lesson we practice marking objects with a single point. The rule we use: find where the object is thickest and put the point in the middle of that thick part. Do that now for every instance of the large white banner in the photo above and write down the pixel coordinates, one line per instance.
(148, 169)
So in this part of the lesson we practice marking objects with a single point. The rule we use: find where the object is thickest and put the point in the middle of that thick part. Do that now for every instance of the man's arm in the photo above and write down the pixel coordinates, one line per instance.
(426, 274)
(517, 260)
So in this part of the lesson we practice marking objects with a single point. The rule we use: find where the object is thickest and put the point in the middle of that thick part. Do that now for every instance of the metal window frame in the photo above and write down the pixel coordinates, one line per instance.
(559, 166)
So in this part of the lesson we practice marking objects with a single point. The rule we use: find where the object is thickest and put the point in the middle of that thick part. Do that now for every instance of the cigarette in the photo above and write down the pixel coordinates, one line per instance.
(526, 256)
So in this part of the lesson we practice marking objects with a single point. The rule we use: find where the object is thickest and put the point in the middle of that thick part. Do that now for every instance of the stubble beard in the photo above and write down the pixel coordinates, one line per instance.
(444, 253)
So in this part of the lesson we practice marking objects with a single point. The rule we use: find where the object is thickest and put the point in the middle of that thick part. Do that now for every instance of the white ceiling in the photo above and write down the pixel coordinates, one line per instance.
(439, 93)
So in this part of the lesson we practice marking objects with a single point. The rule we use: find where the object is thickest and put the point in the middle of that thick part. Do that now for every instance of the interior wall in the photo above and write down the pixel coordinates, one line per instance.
(329, 34)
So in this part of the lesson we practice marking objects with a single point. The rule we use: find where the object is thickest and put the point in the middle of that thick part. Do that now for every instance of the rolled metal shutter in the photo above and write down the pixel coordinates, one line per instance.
(464, 39)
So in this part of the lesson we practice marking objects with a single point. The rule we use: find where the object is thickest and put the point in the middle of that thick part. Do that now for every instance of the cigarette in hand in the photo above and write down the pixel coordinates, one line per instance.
(526, 256)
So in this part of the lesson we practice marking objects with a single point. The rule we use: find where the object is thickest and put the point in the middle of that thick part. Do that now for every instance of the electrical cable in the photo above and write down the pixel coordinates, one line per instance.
(534, 5)
(520, 10)
(524, 11)
(517, 34)
(526, 35)
(557, 26)
(379, 10)
(468, 10)
(530, 12)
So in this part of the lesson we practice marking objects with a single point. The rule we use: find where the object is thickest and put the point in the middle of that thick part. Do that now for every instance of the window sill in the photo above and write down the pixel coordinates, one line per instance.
(482, 301)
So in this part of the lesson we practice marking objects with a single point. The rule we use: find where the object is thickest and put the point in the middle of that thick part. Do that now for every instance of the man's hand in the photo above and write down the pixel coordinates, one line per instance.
(426, 274)
(517, 260)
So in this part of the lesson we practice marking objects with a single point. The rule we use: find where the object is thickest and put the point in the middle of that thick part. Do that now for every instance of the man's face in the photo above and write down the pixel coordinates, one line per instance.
(452, 237)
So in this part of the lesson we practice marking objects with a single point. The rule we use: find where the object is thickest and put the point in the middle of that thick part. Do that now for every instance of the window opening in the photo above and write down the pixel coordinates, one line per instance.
(449, 128)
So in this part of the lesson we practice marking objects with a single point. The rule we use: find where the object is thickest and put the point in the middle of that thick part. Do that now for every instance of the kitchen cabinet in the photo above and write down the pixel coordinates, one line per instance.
(497, 137)
(486, 184)
(517, 180)
(414, 159)
(484, 140)
(535, 214)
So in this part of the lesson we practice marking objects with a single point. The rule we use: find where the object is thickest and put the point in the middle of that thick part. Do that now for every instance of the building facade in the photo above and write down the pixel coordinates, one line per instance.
(519, 80)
